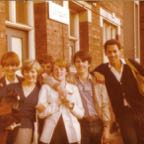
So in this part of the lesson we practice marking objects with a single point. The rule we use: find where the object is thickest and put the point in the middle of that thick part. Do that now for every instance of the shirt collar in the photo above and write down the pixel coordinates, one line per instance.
(10, 82)
(89, 77)
(122, 62)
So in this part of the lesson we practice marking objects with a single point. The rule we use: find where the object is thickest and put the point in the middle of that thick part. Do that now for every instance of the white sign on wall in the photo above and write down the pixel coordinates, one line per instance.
(58, 13)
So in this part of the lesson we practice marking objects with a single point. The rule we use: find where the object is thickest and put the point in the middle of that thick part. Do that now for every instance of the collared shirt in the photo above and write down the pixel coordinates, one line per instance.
(86, 92)
(10, 82)
(117, 74)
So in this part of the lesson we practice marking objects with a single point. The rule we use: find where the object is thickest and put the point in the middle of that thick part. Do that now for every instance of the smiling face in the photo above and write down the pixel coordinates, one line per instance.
(113, 53)
(30, 70)
(10, 63)
(59, 73)
(10, 70)
(30, 76)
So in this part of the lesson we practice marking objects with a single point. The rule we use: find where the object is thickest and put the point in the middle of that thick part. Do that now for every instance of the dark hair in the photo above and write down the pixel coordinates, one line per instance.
(45, 58)
(10, 58)
(83, 55)
(112, 42)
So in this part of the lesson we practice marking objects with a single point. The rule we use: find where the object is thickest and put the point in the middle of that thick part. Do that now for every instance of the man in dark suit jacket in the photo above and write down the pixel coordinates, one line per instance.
(126, 101)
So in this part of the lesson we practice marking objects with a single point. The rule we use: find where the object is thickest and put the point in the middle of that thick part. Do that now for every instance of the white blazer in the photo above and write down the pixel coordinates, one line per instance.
(50, 98)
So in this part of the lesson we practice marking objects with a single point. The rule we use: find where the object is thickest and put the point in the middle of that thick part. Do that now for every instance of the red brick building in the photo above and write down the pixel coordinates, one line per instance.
(61, 28)
(88, 24)
(142, 31)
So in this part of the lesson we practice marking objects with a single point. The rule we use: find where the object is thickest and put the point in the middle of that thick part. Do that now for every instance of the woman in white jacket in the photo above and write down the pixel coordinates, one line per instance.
(61, 114)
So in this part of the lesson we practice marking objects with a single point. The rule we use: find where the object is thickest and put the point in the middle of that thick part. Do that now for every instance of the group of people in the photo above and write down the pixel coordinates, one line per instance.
(72, 108)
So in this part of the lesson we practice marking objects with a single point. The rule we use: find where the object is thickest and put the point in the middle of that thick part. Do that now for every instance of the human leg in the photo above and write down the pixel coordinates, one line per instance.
(24, 136)
(128, 131)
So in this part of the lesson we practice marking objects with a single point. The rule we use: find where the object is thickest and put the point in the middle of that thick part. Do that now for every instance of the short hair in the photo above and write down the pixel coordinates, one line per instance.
(10, 58)
(31, 64)
(83, 55)
(44, 59)
(61, 63)
(112, 42)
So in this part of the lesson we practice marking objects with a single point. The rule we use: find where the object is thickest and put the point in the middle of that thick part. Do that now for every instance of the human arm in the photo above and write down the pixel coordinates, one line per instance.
(138, 66)
(102, 99)
(74, 103)
(54, 84)
(99, 77)
(45, 104)
(106, 106)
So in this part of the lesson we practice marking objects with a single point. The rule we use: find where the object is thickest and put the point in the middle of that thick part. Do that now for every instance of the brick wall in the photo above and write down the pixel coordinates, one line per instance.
(51, 36)
(142, 31)
(2, 28)
(84, 36)
(40, 28)
(96, 32)
(96, 48)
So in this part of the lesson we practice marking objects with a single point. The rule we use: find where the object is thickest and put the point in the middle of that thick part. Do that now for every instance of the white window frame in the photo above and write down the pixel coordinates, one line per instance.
(30, 27)
(112, 19)
(136, 31)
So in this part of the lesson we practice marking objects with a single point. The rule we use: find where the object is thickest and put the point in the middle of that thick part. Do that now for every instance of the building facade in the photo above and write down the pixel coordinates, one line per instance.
(60, 28)
(142, 31)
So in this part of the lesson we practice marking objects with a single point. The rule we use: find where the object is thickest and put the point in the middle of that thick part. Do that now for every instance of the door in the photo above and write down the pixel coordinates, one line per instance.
(17, 41)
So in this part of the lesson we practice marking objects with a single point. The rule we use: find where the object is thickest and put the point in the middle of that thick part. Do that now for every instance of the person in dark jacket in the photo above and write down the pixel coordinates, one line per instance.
(127, 102)
(10, 63)
(27, 90)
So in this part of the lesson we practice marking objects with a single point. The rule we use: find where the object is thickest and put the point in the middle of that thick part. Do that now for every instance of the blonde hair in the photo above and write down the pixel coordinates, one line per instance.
(61, 63)
(31, 64)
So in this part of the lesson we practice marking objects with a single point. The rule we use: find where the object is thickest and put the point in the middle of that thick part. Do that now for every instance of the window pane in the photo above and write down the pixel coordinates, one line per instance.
(72, 26)
(21, 11)
(7, 10)
(17, 46)
(109, 32)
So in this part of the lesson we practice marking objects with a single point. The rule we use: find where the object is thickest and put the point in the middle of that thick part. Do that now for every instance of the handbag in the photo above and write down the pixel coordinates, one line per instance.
(139, 78)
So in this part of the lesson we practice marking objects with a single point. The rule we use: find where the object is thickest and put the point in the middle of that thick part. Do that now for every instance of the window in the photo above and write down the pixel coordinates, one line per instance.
(109, 32)
(7, 10)
(17, 11)
(111, 25)
(21, 11)
(73, 34)
(20, 25)
(136, 31)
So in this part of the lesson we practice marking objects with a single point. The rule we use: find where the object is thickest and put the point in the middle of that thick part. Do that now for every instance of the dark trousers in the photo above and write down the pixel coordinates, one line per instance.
(132, 130)
(91, 131)
(11, 136)
(3, 136)
(60, 136)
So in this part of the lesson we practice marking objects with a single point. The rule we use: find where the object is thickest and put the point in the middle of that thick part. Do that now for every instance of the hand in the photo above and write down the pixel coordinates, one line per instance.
(67, 103)
(105, 137)
(13, 126)
(64, 101)
(62, 92)
(40, 107)
(99, 77)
